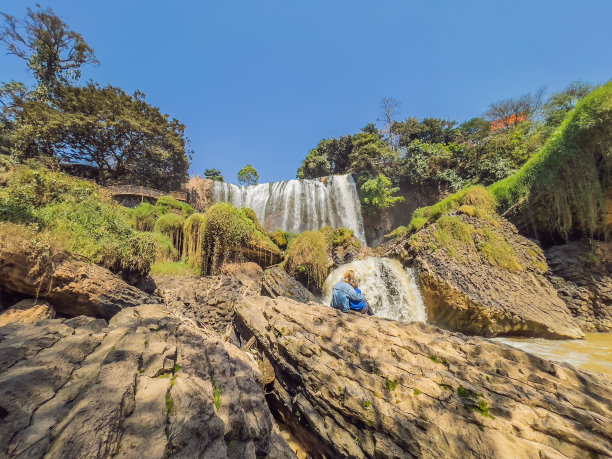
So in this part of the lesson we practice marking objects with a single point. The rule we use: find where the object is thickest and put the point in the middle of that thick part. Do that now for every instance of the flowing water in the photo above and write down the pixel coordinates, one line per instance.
(390, 288)
(594, 352)
(299, 205)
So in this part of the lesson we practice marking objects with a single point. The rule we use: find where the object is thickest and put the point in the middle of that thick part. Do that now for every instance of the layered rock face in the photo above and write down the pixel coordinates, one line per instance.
(581, 274)
(276, 282)
(465, 291)
(73, 287)
(27, 312)
(354, 386)
(150, 384)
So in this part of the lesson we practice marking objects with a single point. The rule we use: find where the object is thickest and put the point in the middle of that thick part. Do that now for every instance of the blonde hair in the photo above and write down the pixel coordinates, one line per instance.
(350, 278)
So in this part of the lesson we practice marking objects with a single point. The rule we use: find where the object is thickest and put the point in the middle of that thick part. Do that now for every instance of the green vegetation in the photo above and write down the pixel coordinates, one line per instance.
(173, 268)
(367, 404)
(391, 385)
(307, 258)
(78, 216)
(248, 176)
(170, 204)
(376, 194)
(218, 390)
(400, 231)
(417, 392)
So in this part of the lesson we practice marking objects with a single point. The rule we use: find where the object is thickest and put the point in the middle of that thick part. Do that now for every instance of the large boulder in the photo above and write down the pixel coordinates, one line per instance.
(355, 386)
(150, 384)
(481, 277)
(27, 312)
(73, 287)
(580, 271)
(276, 282)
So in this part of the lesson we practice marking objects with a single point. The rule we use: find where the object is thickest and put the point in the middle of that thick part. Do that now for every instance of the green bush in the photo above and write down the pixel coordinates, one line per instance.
(171, 225)
(145, 215)
(193, 232)
(376, 194)
(164, 249)
(169, 204)
(307, 258)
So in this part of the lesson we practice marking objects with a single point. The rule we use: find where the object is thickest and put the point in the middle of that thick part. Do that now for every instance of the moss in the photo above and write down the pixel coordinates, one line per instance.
(367, 404)
(168, 204)
(164, 249)
(251, 215)
(400, 231)
(463, 392)
(145, 215)
(307, 258)
(454, 235)
(443, 361)
(171, 225)
(281, 238)
(341, 237)
(173, 268)
(169, 403)
(193, 240)
(499, 252)
(217, 392)
(417, 392)
(391, 385)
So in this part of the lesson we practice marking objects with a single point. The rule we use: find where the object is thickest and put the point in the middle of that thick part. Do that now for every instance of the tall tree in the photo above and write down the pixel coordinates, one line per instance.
(516, 109)
(214, 174)
(53, 52)
(389, 107)
(127, 139)
(248, 176)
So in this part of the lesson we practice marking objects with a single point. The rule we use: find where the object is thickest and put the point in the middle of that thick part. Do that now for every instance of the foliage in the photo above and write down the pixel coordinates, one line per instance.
(193, 232)
(145, 215)
(282, 238)
(213, 174)
(128, 140)
(564, 183)
(79, 214)
(170, 204)
(251, 215)
(53, 52)
(164, 249)
(171, 225)
(248, 176)
(377, 194)
(340, 237)
(307, 258)
(400, 231)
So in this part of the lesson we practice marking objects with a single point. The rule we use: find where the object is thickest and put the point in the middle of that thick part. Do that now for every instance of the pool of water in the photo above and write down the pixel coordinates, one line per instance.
(594, 352)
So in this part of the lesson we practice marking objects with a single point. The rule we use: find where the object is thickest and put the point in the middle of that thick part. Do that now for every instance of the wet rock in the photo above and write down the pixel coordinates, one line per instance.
(72, 286)
(87, 389)
(276, 282)
(27, 312)
(355, 386)
(580, 271)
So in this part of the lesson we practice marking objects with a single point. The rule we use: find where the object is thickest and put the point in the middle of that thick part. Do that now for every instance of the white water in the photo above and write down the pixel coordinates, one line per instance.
(390, 288)
(299, 205)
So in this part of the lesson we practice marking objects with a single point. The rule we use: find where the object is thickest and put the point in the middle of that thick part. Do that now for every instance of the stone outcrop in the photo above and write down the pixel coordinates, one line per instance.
(149, 384)
(73, 287)
(466, 292)
(200, 193)
(276, 282)
(27, 312)
(354, 386)
(580, 271)
(249, 273)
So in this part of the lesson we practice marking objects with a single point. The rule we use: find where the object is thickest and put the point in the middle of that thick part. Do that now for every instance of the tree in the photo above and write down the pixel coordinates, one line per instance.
(248, 176)
(376, 194)
(561, 103)
(389, 107)
(53, 52)
(316, 164)
(213, 174)
(511, 111)
(127, 139)
(369, 154)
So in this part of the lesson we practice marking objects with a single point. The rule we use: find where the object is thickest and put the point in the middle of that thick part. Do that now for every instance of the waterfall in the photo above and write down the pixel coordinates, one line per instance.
(390, 288)
(299, 205)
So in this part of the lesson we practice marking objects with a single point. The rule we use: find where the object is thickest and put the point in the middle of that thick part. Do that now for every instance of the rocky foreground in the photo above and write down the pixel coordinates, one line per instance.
(205, 374)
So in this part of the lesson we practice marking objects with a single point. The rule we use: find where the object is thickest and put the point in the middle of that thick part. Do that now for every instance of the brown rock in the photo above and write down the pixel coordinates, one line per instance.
(276, 282)
(200, 193)
(94, 390)
(27, 312)
(355, 386)
(248, 273)
(465, 291)
(73, 287)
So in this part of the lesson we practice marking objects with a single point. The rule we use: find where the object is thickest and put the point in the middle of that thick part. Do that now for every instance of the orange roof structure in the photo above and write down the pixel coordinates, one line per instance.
(502, 123)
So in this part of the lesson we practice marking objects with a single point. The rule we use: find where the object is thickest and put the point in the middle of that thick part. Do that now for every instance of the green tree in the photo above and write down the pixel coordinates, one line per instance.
(561, 103)
(127, 139)
(53, 52)
(248, 176)
(369, 154)
(316, 164)
(377, 194)
(214, 174)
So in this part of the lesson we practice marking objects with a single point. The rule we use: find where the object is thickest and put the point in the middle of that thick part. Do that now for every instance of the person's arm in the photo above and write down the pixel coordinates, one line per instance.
(357, 297)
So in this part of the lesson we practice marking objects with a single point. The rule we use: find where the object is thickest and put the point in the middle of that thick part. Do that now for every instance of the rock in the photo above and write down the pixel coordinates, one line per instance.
(465, 291)
(276, 282)
(150, 384)
(200, 193)
(248, 273)
(580, 271)
(27, 312)
(355, 386)
(260, 251)
(72, 286)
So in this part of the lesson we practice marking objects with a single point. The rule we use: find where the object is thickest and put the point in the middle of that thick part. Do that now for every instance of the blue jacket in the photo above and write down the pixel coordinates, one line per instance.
(343, 294)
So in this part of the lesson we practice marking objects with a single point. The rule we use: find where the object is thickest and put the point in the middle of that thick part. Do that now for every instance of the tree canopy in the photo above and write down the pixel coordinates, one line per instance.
(248, 176)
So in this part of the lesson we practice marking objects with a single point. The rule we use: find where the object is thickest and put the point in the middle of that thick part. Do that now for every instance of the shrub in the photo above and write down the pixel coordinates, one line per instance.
(164, 249)
(376, 194)
(171, 225)
(145, 215)
(193, 231)
(307, 258)
(397, 232)
(251, 215)
(169, 204)
(282, 238)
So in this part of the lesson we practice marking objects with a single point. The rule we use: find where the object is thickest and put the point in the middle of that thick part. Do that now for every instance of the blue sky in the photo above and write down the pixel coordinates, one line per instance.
(262, 81)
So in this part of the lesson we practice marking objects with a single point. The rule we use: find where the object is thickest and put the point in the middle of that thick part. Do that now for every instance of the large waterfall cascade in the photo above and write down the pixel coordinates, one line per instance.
(391, 289)
(299, 205)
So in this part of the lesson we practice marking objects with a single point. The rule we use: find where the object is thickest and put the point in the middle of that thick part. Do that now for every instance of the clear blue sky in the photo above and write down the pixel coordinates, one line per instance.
(262, 81)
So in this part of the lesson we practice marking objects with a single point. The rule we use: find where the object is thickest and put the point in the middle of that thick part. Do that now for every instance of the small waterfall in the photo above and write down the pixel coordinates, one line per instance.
(299, 205)
(390, 288)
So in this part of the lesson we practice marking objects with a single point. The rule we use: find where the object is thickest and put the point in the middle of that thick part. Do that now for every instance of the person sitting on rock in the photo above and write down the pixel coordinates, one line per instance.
(346, 296)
